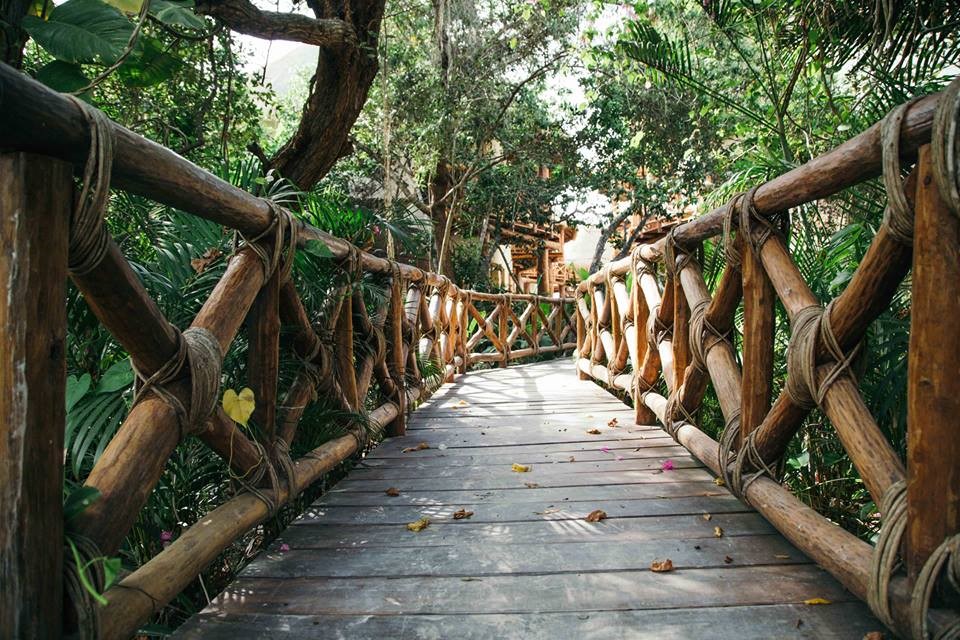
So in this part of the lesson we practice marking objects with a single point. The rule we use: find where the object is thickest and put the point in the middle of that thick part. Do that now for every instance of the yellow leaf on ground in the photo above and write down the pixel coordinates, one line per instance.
(461, 514)
(661, 566)
(239, 406)
(596, 516)
(707, 516)
(816, 601)
(419, 525)
(718, 481)
(520, 468)
(419, 447)
(717, 532)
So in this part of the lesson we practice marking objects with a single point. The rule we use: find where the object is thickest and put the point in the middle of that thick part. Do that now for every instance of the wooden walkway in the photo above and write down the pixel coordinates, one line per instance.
(526, 564)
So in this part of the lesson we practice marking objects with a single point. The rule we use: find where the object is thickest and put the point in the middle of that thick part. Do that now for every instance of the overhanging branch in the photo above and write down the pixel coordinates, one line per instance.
(242, 16)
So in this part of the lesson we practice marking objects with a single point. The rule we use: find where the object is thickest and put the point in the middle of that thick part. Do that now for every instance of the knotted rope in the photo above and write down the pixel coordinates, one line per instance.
(897, 215)
(728, 440)
(811, 327)
(749, 216)
(670, 255)
(945, 146)
(885, 562)
(703, 335)
(673, 409)
(200, 350)
(90, 568)
(89, 239)
(730, 251)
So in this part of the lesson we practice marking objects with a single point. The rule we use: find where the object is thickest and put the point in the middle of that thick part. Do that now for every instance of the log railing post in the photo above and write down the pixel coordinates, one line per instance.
(395, 359)
(504, 303)
(681, 334)
(933, 386)
(263, 357)
(581, 333)
(758, 334)
(35, 197)
(343, 351)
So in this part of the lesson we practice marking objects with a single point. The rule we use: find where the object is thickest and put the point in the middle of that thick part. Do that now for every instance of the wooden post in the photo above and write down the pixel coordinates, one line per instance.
(343, 352)
(35, 199)
(933, 386)
(681, 334)
(758, 334)
(502, 333)
(263, 357)
(581, 334)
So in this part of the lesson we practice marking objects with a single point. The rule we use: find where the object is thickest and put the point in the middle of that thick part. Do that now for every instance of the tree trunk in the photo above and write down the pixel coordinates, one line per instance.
(440, 185)
(12, 37)
(605, 235)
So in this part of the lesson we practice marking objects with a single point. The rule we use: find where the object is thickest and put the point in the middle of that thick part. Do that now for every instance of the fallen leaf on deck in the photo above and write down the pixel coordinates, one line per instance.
(546, 512)
(470, 580)
(531, 485)
(419, 525)
(661, 566)
(571, 459)
(419, 447)
(707, 516)
(593, 432)
(393, 492)
(727, 559)
(596, 516)
(873, 635)
(612, 423)
(718, 481)
(816, 601)
(717, 532)
(782, 556)
(461, 514)
(520, 468)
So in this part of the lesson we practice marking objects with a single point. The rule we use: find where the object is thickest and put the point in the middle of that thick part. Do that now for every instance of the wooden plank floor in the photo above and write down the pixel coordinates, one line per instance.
(527, 564)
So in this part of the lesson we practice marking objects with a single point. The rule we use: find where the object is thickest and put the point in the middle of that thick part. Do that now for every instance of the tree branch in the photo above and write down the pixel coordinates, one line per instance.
(242, 16)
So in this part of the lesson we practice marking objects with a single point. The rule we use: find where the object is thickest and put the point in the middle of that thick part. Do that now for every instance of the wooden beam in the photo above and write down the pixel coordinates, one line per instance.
(933, 386)
(36, 195)
(758, 334)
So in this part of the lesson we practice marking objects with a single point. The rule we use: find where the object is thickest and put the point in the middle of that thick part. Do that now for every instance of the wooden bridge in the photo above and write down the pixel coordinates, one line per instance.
(527, 563)
(526, 500)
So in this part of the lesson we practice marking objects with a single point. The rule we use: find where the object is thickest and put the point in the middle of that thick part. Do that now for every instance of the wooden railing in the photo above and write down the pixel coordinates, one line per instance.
(669, 323)
(427, 318)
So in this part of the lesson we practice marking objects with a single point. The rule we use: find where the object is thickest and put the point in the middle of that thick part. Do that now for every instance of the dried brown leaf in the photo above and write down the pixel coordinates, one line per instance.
(661, 566)
(612, 423)
(419, 447)
(393, 492)
(596, 515)
(531, 485)
(419, 525)
(593, 432)
(727, 559)
(461, 514)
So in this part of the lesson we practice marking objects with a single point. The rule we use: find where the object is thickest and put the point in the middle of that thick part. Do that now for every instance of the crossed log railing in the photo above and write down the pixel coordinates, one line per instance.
(670, 323)
(426, 318)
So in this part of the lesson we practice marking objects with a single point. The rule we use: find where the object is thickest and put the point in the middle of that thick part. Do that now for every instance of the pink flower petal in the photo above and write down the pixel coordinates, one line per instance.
(605, 449)
(284, 547)
(667, 465)
(166, 536)
(619, 458)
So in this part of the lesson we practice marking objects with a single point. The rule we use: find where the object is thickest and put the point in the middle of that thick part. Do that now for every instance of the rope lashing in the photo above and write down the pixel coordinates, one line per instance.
(885, 559)
(947, 552)
(749, 216)
(670, 255)
(945, 146)
(811, 326)
(897, 215)
(91, 570)
(200, 350)
(728, 440)
(885, 562)
(270, 260)
(703, 335)
(673, 409)
(281, 450)
(730, 251)
(749, 455)
(89, 239)
(252, 484)
(657, 329)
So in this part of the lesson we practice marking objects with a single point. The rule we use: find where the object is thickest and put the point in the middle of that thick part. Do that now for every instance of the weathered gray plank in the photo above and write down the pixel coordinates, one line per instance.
(516, 559)
(840, 621)
(520, 512)
(547, 530)
(611, 591)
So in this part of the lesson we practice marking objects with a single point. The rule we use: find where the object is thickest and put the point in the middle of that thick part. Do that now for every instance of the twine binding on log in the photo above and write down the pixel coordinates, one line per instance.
(770, 226)
(286, 232)
(199, 350)
(945, 146)
(811, 327)
(89, 240)
(897, 216)
(89, 559)
(731, 253)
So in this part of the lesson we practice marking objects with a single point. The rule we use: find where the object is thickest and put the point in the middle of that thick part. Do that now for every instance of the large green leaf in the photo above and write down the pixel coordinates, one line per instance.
(150, 65)
(177, 13)
(82, 31)
(63, 76)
